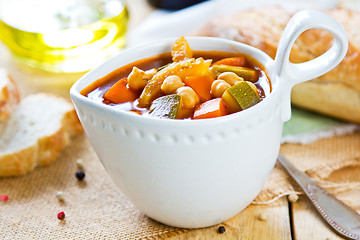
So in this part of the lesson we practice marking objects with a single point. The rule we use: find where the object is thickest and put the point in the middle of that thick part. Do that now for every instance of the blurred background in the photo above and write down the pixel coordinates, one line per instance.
(47, 45)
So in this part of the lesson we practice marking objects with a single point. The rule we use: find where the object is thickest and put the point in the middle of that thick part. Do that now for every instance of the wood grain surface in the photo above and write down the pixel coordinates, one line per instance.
(255, 222)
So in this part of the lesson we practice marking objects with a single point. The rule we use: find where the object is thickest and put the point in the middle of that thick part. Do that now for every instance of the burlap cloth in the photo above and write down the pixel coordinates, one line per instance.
(95, 208)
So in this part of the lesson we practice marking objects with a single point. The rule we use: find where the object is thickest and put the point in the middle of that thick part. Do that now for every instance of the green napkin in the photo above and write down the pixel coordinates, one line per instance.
(305, 127)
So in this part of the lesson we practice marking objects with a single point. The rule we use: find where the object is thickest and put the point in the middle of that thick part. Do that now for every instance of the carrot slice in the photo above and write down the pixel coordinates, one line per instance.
(120, 92)
(232, 61)
(201, 85)
(210, 109)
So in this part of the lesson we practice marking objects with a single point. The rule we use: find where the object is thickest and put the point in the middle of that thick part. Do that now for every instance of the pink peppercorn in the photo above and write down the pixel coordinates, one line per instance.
(4, 198)
(61, 215)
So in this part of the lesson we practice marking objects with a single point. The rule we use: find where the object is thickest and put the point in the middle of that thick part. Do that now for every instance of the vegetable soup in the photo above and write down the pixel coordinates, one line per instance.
(184, 84)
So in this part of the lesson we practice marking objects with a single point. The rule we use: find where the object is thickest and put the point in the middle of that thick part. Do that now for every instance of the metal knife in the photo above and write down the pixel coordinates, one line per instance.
(341, 217)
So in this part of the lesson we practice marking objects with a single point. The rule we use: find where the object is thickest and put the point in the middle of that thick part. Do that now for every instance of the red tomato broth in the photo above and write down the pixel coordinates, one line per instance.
(97, 89)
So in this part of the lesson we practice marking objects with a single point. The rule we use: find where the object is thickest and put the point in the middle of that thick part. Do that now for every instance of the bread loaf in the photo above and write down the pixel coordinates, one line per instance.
(336, 93)
(9, 95)
(36, 133)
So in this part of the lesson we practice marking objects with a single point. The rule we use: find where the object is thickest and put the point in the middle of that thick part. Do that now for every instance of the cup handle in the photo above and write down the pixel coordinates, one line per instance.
(289, 73)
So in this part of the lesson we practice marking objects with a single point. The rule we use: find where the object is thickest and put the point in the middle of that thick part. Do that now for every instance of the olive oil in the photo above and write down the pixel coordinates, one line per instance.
(63, 36)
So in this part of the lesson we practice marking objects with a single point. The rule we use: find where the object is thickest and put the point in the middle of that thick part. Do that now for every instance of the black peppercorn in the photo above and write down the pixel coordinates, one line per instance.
(221, 229)
(80, 175)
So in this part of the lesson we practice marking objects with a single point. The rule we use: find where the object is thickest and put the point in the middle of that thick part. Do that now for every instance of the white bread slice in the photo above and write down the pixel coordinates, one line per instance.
(36, 133)
(9, 95)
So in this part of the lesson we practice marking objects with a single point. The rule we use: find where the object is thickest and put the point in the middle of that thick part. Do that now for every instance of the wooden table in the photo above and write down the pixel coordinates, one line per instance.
(283, 220)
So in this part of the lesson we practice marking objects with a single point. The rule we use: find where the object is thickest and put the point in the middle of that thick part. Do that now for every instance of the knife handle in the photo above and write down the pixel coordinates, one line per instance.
(338, 215)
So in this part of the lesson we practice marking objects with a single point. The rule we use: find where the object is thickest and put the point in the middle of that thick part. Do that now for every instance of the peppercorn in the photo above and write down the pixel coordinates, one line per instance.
(262, 217)
(221, 229)
(60, 196)
(80, 175)
(80, 164)
(61, 215)
(4, 198)
(293, 197)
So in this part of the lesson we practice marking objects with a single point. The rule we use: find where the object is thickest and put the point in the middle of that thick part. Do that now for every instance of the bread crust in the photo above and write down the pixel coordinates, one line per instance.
(9, 95)
(46, 148)
(18, 163)
(331, 97)
(262, 29)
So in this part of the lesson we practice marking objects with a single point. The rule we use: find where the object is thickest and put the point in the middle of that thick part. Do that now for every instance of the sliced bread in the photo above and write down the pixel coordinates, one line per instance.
(36, 133)
(9, 95)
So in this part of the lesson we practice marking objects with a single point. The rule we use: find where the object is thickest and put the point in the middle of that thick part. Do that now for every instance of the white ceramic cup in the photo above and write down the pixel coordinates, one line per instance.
(198, 173)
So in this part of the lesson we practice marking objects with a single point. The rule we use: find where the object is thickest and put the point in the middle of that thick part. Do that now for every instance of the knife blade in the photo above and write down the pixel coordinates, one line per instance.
(342, 218)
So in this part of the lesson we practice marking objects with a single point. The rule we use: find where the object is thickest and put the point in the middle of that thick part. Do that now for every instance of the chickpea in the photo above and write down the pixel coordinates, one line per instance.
(188, 96)
(230, 77)
(137, 79)
(218, 87)
(171, 84)
(149, 74)
(253, 86)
